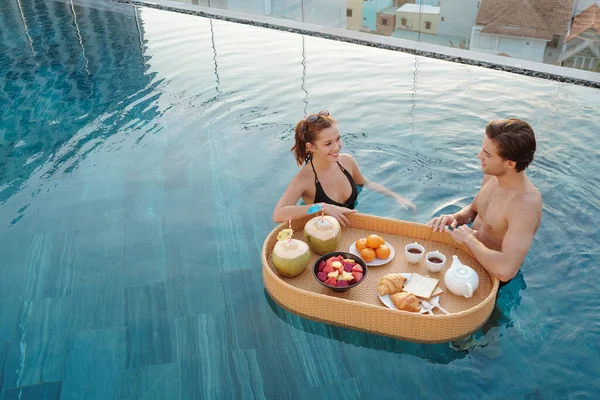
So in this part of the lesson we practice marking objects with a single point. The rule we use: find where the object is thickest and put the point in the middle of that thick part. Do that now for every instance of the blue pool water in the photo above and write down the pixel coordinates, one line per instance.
(141, 155)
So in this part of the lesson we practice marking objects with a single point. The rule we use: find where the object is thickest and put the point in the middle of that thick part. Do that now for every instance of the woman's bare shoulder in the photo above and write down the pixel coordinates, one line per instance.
(304, 174)
(347, 160)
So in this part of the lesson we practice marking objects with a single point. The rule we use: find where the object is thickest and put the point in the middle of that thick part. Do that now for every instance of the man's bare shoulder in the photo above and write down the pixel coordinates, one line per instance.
(532, 198)
(529, 206)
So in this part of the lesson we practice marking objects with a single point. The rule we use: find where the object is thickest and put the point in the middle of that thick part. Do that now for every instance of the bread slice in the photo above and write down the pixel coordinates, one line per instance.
(421, 286)
(438, 290)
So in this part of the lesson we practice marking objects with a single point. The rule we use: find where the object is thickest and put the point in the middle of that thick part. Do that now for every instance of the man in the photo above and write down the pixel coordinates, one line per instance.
(508, 208)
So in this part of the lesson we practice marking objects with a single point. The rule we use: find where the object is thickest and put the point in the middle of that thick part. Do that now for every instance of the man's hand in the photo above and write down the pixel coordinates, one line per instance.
(439, 223)
(463, 234)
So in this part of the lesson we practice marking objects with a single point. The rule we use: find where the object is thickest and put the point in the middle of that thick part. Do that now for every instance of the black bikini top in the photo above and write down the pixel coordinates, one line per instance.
(321, 197)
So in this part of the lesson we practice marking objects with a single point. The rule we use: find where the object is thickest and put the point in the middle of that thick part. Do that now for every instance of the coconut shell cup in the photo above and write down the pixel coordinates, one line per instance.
(345, 255)
(322, 234)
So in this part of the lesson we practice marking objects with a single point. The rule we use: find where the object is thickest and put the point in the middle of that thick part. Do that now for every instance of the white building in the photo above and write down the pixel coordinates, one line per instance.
(418, 18)
(457, 17)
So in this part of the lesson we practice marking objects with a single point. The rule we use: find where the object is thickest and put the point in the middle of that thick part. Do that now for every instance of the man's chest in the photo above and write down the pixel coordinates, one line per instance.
(492, 211)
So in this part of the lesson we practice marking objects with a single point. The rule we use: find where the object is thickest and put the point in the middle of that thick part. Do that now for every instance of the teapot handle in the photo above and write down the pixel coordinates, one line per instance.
(469, 290)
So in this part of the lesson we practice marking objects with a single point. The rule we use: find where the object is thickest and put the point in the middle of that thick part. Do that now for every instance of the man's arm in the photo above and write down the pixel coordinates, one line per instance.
(464, 216)
(505, 264)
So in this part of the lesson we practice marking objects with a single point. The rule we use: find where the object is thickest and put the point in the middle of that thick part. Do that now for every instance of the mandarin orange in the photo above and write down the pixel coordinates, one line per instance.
(373, 241)
(382, 252)
(361, 244)
(367, 254)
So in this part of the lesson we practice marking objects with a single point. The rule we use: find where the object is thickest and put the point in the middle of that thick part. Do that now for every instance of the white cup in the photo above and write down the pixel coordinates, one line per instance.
(414, 258)
(434, 266)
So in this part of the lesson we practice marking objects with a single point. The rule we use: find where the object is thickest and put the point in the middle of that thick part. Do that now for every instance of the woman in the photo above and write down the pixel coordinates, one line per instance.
(326, 176)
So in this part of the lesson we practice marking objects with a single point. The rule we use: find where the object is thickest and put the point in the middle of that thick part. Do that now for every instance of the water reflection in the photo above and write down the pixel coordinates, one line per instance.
(440, 353)
(55, 93)
(484, 341)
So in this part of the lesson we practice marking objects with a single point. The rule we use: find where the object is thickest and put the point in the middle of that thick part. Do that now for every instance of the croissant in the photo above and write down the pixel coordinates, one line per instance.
(390, 284)
(406, 301)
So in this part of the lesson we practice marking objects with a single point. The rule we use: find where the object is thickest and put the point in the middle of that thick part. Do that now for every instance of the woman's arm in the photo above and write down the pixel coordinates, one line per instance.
(360, 179)
(286, 207)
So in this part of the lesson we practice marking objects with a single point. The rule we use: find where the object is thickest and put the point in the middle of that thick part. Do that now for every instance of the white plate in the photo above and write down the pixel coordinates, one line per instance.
(388, 302)
(376, 262)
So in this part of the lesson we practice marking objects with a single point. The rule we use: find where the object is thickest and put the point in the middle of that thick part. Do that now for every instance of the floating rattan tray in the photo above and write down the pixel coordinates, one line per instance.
(360, 307)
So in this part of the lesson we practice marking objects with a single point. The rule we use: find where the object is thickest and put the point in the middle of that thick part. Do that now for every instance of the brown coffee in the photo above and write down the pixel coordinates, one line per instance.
(435, 260)
(413, 250)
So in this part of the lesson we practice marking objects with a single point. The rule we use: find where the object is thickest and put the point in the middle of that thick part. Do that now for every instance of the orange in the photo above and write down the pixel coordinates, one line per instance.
(374, 241)
(367, 254)
(361, 244)
(382, 252)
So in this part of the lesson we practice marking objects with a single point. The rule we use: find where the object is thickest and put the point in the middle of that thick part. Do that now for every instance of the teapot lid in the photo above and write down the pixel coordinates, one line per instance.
(460, 269)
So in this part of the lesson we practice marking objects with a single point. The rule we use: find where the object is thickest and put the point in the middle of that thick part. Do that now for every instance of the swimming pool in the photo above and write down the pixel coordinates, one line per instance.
(142, 153)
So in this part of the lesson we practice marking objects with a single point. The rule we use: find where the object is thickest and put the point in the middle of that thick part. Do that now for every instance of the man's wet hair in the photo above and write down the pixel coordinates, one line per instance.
(515, 140)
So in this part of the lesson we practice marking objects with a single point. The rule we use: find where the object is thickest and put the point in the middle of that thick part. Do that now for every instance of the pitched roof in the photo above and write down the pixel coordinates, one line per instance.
(535, 19)
(590, 18)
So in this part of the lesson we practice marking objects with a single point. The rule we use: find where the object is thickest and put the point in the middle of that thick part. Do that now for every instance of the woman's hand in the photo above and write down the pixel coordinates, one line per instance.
(405, 203)
(440, 223)
(339, 213)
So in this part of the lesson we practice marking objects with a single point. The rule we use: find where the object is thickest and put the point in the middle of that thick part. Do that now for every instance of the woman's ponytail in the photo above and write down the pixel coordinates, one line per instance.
(307, 132)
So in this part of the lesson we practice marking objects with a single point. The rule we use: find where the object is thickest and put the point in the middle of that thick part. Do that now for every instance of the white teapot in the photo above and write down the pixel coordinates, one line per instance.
(461, 279)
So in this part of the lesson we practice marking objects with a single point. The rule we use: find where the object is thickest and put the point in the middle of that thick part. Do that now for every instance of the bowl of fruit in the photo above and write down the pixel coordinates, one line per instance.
(340, 271)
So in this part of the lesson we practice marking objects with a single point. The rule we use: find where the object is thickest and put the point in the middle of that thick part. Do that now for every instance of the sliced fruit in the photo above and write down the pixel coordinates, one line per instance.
(357, 268)
(285, 234)
(328, 269)
(337, 264)
(333, 274)
(357, 276)
(345, 276)
(322, 276)
(330, 281)
(342, 283)
(322, 265)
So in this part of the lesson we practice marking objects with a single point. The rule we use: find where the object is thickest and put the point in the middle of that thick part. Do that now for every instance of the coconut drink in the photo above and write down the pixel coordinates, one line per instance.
(290, 256)
(322, 234)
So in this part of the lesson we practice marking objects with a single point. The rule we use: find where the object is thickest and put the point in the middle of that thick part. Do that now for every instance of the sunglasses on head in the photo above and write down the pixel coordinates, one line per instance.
(314, 117)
